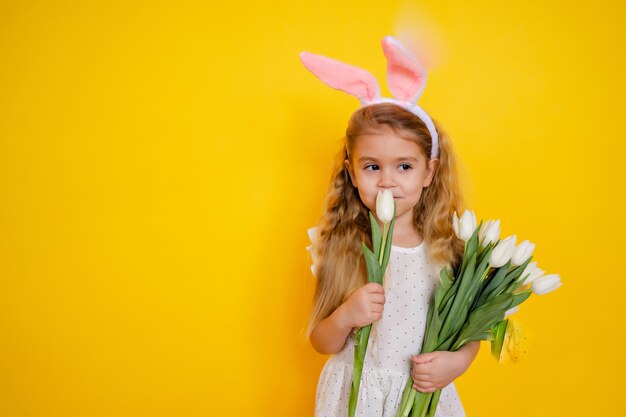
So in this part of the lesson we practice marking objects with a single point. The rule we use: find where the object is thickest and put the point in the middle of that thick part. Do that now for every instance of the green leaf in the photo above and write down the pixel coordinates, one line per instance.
(519, 298)
(374, 274)
(472, 243)
(430, 336)
(448, 343)
(514, 278)
(475, 338)
(444, 285)
(485, 316)
(498, 332)
(484, 262)
(458, 311)
(376, 235)
(490, 288)
(447, 302)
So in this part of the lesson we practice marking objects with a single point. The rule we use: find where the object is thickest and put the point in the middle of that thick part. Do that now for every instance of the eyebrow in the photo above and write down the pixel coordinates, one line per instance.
(402, 158)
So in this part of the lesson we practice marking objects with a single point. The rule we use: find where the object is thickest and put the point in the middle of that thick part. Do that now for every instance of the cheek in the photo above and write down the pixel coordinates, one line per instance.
(367, 197)
(367, 191)
(414, 189)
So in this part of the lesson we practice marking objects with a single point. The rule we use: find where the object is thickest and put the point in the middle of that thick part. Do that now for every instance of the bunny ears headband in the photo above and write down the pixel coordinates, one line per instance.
(406, 79)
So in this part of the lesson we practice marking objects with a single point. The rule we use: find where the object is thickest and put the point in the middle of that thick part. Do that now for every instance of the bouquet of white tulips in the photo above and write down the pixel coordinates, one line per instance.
(376, 261)
(472, 299)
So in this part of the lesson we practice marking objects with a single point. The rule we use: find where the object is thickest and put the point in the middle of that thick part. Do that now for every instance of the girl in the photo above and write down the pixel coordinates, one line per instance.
(390, 143)
(386, 147)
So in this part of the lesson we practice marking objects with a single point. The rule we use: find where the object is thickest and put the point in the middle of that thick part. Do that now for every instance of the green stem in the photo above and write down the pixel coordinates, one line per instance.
(382, 246)
(405, 396)
(409, 403)
(432, 407)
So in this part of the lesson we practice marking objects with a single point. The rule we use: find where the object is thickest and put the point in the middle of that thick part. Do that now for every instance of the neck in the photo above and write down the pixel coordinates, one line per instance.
(404, 231)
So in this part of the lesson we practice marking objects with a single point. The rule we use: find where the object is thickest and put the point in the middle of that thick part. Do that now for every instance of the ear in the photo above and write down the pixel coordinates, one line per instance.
(431, 168)
(406, 77)
(347, 78)
(350, 172)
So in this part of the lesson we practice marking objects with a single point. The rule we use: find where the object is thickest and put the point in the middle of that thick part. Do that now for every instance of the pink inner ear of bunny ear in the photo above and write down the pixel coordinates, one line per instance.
(406, 78)
(344, 77)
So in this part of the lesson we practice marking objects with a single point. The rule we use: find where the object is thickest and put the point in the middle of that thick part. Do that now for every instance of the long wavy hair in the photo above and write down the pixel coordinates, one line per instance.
(340, 266)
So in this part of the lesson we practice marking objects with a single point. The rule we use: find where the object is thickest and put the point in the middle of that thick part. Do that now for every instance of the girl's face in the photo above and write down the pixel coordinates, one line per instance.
(384, 160)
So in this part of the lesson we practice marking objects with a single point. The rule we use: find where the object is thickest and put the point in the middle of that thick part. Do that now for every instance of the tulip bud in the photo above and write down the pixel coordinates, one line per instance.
(503, 251)
(489, 232)
(522, 253)
(384, 206)
(455, 224)
(483, 230)
(466, 225)
(533, 273)
(546, 284)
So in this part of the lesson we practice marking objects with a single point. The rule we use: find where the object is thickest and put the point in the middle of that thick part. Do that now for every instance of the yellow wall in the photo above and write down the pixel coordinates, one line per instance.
(160, 163)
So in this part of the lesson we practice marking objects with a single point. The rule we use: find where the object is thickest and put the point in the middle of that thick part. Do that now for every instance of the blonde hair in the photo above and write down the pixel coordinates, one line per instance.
(340, 266)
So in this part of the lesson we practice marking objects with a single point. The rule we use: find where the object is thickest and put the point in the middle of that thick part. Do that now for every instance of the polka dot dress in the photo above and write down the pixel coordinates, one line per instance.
(409, 285)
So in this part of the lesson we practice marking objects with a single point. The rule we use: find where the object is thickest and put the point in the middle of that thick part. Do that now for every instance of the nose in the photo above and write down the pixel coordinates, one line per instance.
(386, 179)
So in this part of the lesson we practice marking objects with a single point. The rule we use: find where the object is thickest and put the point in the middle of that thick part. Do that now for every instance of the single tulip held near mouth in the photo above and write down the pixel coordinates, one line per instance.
(384, 206)
(376, 260)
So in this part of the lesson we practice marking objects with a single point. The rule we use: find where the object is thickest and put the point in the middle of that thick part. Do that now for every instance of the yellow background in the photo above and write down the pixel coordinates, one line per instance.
(160, 163)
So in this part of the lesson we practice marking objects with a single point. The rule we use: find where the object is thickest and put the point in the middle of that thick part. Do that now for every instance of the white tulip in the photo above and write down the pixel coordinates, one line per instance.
(384, 206)
(502, 252)
(464, 228)
(546, 283)
(534, 272)
(489, 232)
(522, 253)
(511, 311)
(455, 224)
(483, 230)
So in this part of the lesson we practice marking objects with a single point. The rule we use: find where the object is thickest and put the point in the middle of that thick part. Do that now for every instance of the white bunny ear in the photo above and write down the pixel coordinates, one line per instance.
(406, 77)
(347, 78)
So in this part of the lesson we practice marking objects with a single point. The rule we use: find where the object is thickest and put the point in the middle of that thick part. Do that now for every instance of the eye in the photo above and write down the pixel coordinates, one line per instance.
(374, 166)
(406, 166)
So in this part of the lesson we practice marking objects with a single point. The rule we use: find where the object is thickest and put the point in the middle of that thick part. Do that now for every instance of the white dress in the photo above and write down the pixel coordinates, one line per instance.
(409, 285)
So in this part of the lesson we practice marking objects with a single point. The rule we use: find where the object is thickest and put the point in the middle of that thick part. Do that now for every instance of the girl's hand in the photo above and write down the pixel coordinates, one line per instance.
(364, 305)
(435, 370)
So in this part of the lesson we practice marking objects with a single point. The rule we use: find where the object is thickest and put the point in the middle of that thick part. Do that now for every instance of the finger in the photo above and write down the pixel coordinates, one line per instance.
(378, 298)
(376, 288)
(420, 376)
(418, 386)
(422, 387)
(423, 368)
(377, 309)
(418, 379)
(376, 301)
(424, 357)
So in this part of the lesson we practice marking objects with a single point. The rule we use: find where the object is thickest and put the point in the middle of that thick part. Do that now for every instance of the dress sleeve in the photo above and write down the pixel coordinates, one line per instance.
(312, 237)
